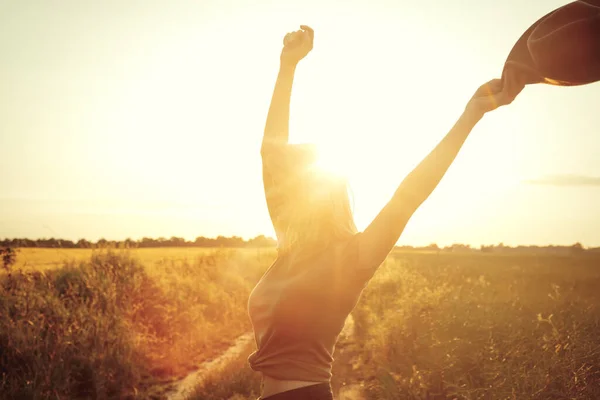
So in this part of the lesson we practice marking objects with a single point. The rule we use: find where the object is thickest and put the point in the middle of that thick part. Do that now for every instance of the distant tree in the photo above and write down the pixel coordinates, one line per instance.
(486, 249)
(200, 241)
(577, 248)
(175, 242)
(83, 244)
(236, 241)
(52, 243)
(9, 257)
(65, 244)
(456, 247)
(147, 242)
(262, 241)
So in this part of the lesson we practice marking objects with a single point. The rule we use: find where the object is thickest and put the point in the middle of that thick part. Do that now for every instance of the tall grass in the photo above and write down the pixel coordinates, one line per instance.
(481, 327)
(111, 327)
(428, 326)
(465, 326)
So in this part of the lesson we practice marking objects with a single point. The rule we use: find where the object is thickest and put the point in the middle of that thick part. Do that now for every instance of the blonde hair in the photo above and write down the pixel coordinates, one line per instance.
(318, 212)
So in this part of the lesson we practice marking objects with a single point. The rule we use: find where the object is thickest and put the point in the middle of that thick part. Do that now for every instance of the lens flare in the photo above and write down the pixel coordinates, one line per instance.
(331, 162)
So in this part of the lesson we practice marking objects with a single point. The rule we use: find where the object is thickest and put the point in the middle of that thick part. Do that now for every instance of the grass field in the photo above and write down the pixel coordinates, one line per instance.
(115, 324)
(77, 324)
(39, 259)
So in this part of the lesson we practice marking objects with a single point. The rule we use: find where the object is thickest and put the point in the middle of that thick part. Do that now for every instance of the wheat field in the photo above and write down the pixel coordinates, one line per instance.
(114, 324)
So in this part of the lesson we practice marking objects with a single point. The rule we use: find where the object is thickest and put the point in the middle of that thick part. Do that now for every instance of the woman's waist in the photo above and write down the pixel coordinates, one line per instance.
(272, 386)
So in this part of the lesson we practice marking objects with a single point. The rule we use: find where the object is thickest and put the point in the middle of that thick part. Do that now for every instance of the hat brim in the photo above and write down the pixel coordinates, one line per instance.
(520, 61)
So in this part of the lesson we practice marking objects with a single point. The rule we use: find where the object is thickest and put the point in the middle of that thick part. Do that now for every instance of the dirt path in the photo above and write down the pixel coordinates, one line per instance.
(345, 390)
(186, 386)
(346, 365)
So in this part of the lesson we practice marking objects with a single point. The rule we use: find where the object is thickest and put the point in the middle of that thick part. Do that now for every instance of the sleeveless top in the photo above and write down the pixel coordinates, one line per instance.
(298, 309)
(299, 306)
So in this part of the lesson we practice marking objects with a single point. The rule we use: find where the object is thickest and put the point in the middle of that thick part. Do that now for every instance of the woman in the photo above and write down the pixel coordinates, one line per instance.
(299, 306)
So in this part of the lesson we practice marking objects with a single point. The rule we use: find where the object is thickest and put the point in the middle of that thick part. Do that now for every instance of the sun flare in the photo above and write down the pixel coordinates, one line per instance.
(331, 161)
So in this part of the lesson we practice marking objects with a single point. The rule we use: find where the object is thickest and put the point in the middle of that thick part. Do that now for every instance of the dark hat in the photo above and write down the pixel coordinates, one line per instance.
(562, 48)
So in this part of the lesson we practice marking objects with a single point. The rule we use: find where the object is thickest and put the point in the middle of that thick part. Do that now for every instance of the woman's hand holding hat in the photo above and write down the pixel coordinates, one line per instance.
(495, 93)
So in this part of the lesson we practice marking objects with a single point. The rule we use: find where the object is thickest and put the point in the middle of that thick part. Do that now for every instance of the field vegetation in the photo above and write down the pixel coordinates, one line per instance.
(481, 327)
(430, 325)
(120, 323)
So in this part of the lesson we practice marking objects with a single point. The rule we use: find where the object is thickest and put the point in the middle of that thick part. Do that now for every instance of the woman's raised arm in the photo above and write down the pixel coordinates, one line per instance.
(277, 126)
(296, 45)
(381, 235)
(276, 168)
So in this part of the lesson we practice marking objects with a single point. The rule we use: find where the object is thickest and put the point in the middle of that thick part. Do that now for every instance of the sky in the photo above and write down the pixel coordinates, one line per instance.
(134, 118)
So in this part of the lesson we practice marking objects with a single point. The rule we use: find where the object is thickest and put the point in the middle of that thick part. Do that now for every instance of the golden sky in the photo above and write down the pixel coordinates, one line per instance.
(133, 118)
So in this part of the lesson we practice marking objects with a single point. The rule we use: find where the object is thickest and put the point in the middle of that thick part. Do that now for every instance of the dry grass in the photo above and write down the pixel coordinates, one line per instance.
(40, 259)
(428, 326)
(466, 326)
(113, 326)
(481, 327)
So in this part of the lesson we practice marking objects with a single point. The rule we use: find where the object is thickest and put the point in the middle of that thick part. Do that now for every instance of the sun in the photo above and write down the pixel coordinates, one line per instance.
(331, 160)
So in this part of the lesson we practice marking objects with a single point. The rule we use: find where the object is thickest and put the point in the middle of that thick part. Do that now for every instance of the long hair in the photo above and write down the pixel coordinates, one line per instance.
(318, 212)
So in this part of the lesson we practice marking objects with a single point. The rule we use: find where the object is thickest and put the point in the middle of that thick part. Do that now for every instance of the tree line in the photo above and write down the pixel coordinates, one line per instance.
(502, 248)
(201, 241)
(264, 241)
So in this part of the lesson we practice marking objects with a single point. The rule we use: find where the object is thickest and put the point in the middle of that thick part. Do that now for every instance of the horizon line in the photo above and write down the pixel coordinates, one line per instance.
(269, 238)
